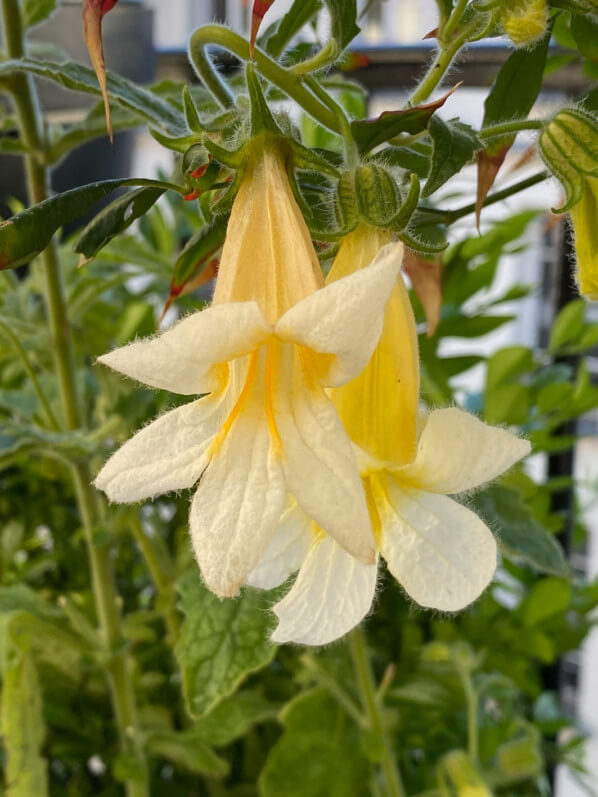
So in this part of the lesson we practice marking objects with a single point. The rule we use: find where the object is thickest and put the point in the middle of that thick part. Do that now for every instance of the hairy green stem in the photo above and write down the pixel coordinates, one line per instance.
(367, 689)
(506, 128)
(327, 55)
(453, 21)
(450, 216)
(351, 151)
(291, 84)
(103, 582)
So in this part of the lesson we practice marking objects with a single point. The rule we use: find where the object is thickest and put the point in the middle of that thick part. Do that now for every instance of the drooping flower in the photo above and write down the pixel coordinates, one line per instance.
(272, 338)
(439, 550)
(584, 217)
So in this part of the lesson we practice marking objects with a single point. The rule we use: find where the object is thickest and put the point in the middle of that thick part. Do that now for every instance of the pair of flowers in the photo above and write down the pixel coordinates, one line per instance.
(308, 450)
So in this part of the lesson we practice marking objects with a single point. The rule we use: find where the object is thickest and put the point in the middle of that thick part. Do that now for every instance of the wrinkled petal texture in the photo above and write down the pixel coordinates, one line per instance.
(345, 318)
(286, 551)
(168, 454)
(332, 594)
(439, 551)
(182, 358)
(318, 460)
(458, 452)
(240, 498)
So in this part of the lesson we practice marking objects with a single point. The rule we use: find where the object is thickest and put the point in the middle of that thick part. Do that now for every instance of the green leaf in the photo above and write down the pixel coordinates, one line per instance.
(568, 325)
(507, 365)
(18, 440)
(24, 236)
(35, 11)
(519, 533)
(547, 597)
(454, 145)
(233, 717)
(515, 89)
(185, 750)
(222, 641)
(318, 754)
(343, 20)
(369, 133)
(23, 727)
(114, 219)
(291, 23)
(124, 92)
(475, 326)
(585, 33)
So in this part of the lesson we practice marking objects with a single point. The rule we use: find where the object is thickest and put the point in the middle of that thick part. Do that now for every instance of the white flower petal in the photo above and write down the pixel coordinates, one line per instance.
(332, 594)
(286, 551)
(458, 452)
(181, 358)
(345, 318)
(441, 552)
(238, 505)
(168, 454)
(318, 460)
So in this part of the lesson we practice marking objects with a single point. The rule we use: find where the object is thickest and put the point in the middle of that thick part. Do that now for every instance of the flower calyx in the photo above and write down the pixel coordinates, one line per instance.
(569, 147)
(524, 21)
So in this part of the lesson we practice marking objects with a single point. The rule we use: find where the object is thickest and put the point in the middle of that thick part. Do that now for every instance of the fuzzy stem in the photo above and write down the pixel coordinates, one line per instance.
(291, 84)
(367, 690)
(106, 598)
(507, 128)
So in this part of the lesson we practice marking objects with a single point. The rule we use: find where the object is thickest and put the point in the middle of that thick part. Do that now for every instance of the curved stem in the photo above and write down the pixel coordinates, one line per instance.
(516, 126)
(106, 598)
(442, 62)
(327, 55)
(31, 374)
(351, 152)
(367, 689)
(291, 84)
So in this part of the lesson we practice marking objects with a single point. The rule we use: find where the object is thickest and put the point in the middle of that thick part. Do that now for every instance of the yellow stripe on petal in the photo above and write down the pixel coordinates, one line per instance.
(239, 404)
(379, 407)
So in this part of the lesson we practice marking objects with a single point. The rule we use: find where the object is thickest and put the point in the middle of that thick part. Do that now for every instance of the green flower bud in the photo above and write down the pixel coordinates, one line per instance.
(569, 147)
(377, 194)
(524, 21)
(463, 775)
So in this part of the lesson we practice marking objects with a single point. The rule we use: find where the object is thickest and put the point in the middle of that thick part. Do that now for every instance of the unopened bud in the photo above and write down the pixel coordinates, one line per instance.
(378, 197)
(525, 21)
(569, 147)
(584, 216)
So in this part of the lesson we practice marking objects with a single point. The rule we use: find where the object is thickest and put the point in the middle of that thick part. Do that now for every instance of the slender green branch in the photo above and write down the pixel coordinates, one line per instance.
(367, 689)
(31, 374)
(103, 584)
(450, 216)
(327, 55)
(471, 700)
(160, 577)
(441, 64)
(291, 84)
(335, 689)
(506, 128)
(351, 152)
(453, 20)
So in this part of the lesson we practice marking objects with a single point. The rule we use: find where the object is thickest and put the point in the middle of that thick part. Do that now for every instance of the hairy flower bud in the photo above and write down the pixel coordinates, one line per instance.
(569, 147)
(584, 216)
(525, 21)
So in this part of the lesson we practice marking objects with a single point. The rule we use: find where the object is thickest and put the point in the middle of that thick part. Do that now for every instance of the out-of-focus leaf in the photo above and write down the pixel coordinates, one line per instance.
(291, 23)
(343, 20)
(23, 726)
(426, 279)
(184, 749)
(77, 77)
(35, 11)
(18, 440)
(221, 642)
(233, 717)
(519, 534)
(569, 324)
(24, 236)
(318, 754)
(547, 597)
(114, 219)
(455, 144)
(369, 133)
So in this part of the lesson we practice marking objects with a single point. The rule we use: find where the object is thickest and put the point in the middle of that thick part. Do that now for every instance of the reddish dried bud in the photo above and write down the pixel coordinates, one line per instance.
(93, 11)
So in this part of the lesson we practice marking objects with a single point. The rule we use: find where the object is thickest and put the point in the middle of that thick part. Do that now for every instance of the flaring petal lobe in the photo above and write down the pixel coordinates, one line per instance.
(286, 551)
(458, 452)
(439, 551)
(168, 454)
(181, 359)
(345, 318)
(332, 594)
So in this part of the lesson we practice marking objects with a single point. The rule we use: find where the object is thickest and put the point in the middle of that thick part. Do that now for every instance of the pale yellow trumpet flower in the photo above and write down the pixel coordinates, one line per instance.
(441, 552)
(273, 338)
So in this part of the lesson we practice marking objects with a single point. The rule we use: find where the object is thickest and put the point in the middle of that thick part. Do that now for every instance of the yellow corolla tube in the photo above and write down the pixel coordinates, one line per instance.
(584, 217)
(441, 553)
(265, 350)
